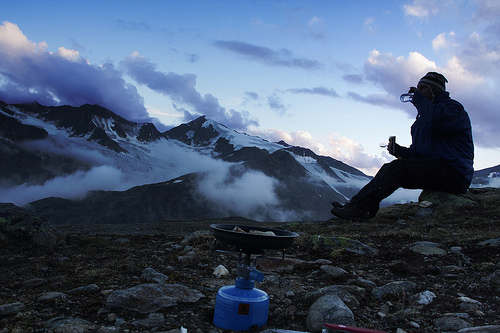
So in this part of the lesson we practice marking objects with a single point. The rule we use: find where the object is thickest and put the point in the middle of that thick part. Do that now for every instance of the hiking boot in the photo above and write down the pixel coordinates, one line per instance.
(350, 211)
(336, 204)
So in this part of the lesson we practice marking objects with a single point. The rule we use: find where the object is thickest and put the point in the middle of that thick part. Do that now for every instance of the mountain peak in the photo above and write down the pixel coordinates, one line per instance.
(199, 132)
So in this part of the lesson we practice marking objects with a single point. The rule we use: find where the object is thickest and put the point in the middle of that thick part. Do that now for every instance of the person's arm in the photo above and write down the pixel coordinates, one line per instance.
(442, 118)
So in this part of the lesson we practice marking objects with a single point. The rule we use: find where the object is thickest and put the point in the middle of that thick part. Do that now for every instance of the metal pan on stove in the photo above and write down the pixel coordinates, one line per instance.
(280, 239)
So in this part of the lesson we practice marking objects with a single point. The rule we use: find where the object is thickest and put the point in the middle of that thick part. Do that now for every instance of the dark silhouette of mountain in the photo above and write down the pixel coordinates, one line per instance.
(99, 124)
(485, 176)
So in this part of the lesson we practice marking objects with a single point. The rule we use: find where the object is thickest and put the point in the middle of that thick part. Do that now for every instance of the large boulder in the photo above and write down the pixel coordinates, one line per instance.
(19, 223)
(440, 198)
(148, 298)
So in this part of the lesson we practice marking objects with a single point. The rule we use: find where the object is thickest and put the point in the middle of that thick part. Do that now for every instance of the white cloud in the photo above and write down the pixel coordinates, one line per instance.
(73, 186)
(443, 41)
(315, 21)
(29, 73)
(15, 43)
(251, 194)
(422, 9)
(71, 55)
(370, 25)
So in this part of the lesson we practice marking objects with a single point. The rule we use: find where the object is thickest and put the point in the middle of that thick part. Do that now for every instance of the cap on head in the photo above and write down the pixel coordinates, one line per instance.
(434, 80)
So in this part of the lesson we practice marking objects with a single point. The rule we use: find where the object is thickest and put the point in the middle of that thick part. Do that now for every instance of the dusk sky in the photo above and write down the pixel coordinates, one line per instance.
(326, 75)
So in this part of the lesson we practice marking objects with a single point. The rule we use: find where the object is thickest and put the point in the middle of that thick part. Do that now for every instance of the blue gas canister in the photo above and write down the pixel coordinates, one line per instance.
(241, 306)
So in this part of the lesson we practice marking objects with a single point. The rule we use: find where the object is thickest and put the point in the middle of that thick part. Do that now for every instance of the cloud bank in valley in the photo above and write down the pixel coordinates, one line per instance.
(72, 186)
(242, 192)
(250, 194)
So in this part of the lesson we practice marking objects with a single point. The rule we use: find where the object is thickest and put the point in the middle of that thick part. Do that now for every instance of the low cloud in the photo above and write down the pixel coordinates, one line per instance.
(250, 194)
(73, 186)
(279, 58)
(182, 90)
(234, 189)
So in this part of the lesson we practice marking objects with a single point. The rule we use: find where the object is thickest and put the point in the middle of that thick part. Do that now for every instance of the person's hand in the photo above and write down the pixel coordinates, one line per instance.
(394, 149)
(412, 90)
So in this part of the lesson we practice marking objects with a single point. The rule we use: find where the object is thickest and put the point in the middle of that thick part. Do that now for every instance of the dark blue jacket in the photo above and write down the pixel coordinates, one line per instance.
(442, 131)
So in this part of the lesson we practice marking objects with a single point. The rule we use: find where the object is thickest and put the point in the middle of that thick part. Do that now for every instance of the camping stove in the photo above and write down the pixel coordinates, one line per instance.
(242, 306)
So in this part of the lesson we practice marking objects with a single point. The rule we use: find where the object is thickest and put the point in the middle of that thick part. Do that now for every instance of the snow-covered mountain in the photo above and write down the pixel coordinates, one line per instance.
(78, 164)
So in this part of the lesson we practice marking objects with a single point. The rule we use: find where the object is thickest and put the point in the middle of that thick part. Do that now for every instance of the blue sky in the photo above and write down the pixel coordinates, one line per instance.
(320, 74)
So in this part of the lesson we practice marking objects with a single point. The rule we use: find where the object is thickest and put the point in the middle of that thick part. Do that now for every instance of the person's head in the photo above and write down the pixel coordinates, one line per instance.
(432, 84)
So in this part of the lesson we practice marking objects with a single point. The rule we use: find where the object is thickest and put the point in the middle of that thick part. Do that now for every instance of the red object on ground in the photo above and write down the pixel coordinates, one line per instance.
(334, 328)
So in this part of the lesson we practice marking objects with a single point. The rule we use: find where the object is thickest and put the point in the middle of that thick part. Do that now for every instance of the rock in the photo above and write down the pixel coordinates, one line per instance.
(322, 262)
(188, 256)
(343, 291)
(399, 266)
(110, 329)
(481, 329)
(336, 273)
(395, 289)
(84, 289)
(151, 275)
(17, 222)
(11, 309)
(424, 212)
(70, 325)
(147, 298)
(342, 243)
(425, 204)
(50, 296)
(440, 198)
(491, 242)
(465, 299)
(450, 323)
(364, 283)
(493, 278)
(424, 297)
(122, 240)
(279, 265)
(153, 320)
(328, 309)
(276, 330)
(428, 248)
(34, 283)
(220, 271)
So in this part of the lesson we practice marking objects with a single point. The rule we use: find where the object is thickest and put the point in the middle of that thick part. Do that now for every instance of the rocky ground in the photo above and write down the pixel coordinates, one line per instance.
(410, 269)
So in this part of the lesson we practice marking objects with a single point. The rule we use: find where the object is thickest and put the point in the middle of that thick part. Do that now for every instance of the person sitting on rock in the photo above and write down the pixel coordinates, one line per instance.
(440, 157)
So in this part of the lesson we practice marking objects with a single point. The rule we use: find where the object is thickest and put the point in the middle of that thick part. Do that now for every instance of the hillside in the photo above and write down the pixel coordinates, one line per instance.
(410, 269)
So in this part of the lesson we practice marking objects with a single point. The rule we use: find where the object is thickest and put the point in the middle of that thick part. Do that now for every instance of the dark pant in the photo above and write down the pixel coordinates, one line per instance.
(410, 174)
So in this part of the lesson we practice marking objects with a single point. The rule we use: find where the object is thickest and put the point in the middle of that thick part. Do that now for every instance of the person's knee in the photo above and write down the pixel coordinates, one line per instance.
(397, 166)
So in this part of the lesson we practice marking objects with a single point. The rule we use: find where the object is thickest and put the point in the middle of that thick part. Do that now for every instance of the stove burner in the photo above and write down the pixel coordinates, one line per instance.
(241, 306)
